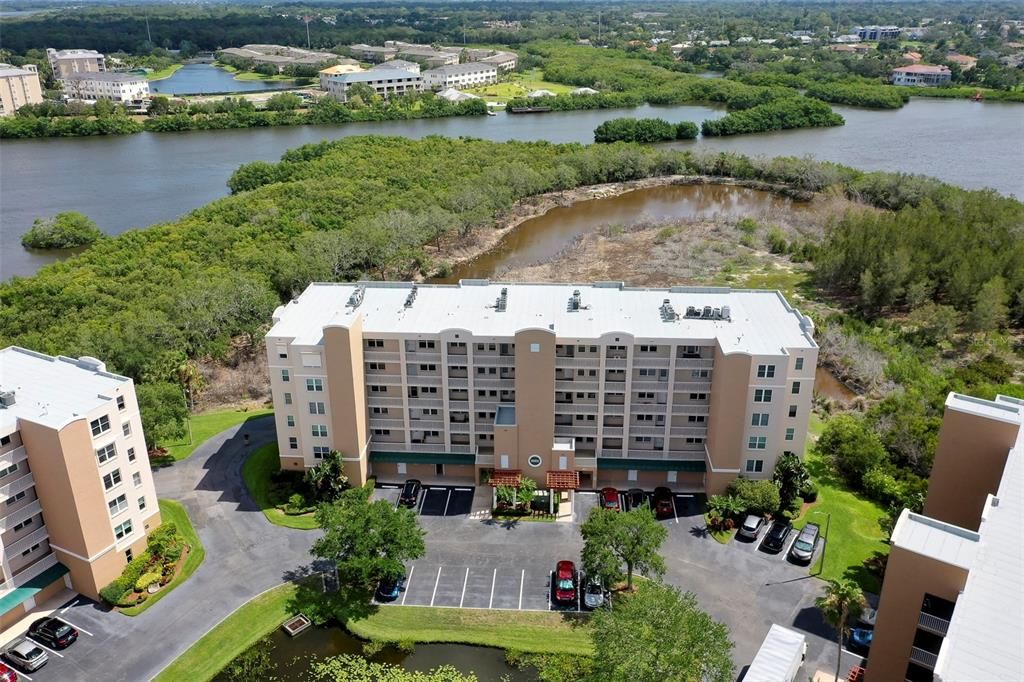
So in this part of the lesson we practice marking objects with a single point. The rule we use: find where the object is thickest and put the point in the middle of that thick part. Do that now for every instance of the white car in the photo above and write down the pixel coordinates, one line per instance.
(593, 597)
(26, 655)
(752, 526)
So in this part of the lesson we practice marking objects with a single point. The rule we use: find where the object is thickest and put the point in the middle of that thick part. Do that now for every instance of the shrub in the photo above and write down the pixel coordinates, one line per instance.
(758, 497)
(63, 231)
(777, 241)
(809, 492)
(146, 580)
(115, 591)
(881, 486)
(687, 130)
(635, 130)
(296, 504)
(852, 447)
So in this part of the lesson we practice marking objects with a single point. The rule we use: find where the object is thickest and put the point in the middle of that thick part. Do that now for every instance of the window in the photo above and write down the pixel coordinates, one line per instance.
(320, 430)
(128, 556)
(30, 549)
(765, 371)
(648, 349)
(112, 479)
(792, 410)
(379, 366)
(293, 443)
(799, 364)
(648, 372)
(790, 434)
(24, 524)
(117, 505)
(378, 389)
(320, 451)
(131, 454)
(317, 408)
(755, 466)
(759, 419)
(106, 453)
(120, 402)
(796, 387)
(698, 396)
(136, 479)
(379, 410)
(374, 343)
(126, 428)
(762, 395)
(757, 442)
(101, 425)
(123, 530)
(314, 385)
(382, 432)
(700, 373)
(15, 498)
(534, 347)
(645, 417)
(8, 471)
(696, 418)
(433, 368)
(142, 503)
(287, 398)
(426, 345)
(285, 375)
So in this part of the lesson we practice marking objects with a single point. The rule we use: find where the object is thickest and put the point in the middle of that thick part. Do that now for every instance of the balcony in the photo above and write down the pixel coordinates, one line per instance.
(650, 384)
(651, 361)
(493, 382)
(23, 482)
(21, 544)
(923, 657)
(458, 382)
(433, 423)
(458, 427)
(695, 430)
(372, 355)
(585, 462)
(647, 429)
(694, 363)
(613, 408)
(695, 407)
(934, 624)
(484, 460)
(13, 457)
(423, 380)
(615, 362)
(573, 430)
(386, 423)
(592, 361)
(19, 515)
(382, 379)
(612, 431)
(576, 408)
(488, 360)
(33, 568)
(424, 402)
(380, 401)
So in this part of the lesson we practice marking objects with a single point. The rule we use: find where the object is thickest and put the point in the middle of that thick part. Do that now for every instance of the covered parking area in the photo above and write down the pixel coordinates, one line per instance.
(680, 475)
(438, 468)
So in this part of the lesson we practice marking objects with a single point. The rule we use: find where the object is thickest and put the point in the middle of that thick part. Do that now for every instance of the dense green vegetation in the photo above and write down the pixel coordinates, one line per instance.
(63, 231)
(20, 127)
(643, 130)
(782, 114)
(859, 95)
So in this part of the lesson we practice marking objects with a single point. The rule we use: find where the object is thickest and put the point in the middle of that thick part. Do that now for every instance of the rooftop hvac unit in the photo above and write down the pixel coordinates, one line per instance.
(691, 311)
(668, 313)
(6, 398)
(502, 303)
(356, 299)
(725, 313)
(574, 302)
(707, 311)
(718, 313)
(411, 298)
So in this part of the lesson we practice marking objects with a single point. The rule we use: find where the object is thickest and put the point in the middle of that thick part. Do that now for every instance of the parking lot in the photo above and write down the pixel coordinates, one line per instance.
(434, 500)
(64, 664)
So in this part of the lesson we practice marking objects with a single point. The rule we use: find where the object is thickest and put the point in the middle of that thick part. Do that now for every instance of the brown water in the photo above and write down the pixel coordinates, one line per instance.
(827, 384)
(538, 239)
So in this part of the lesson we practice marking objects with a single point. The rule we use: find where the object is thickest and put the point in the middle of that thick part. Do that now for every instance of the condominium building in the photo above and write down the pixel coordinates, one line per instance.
(384, 82)
(282, 56)
(76, 493)
(19, 85)
(425, 54)
(596, 384)
(372, 53)
(124, 88)
(923, 75)
(878, 32)
(469, 75)
(952, 602)
(336, 70)
(70, 62)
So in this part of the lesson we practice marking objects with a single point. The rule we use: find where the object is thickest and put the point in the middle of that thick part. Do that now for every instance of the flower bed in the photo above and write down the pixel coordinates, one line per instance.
(164, 557)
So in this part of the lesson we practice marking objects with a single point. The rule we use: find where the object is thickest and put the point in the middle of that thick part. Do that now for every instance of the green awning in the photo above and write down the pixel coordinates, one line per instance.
(32, 587)
(423, 457)
(686, 465)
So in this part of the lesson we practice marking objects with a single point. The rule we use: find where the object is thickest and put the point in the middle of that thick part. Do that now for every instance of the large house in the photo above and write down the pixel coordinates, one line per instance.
(570, 385)
(72, 62)
(77, 497)
(124, 88)
(469, 75)
(953, 597)
(922, 75)
(384, 82)
(18, 86)
(282, 56)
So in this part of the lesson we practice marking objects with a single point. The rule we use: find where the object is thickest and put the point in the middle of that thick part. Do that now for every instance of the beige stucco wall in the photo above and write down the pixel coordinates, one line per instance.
(17, 91)
(535, 400)
(346, 386)
(968, 466)
(907, 578)
(648, 480)
(729, 410)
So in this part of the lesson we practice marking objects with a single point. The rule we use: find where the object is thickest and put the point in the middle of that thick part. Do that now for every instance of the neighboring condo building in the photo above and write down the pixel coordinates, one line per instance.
(19, 85)
(603, 384)
(76, 493)
(384, 82)
(469, 75)
(71, 62)
(124, 88)
(923, 75)
(952, 602)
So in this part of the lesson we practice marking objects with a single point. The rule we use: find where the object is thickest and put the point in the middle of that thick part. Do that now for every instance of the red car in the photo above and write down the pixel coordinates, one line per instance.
(610, 499)
(565, 582)
(7, 674)
(663, 505)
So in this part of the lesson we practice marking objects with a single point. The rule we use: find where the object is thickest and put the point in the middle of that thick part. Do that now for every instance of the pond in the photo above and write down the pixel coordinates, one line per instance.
(291, 656)
(199, 79)
(828, 385)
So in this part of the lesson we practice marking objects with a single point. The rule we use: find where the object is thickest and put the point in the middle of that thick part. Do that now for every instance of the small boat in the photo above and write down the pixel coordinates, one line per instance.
(491, 113)
(978, 96)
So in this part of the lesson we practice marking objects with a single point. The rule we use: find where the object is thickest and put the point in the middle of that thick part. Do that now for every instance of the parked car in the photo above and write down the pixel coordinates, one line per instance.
(868, 616)
(7, 674)
(26, 655)
(752, 526)
(53, 632)
(610, 499)
(593, 596)
(663, 505)
(777, 535)
(803, 548)
(565, 582)
(390, 587)
(410, 493)
(636, 498)
(861, 637)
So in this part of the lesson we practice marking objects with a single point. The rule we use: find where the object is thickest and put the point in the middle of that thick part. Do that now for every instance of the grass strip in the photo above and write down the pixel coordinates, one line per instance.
(256, 473)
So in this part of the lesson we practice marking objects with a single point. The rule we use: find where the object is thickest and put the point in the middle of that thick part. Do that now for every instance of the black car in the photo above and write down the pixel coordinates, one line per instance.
(777, 535)
(410, 493)
(663, 505)
(636, 498)
(389, 588)
(53, 632)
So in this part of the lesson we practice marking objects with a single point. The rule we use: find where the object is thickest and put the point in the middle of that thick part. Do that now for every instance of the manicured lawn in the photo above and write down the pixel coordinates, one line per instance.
(160, 74)
(253, 75)
(173, 511)
(519, 85)
(853, 531)
(256, 473)
(720, 536)
(209, 424)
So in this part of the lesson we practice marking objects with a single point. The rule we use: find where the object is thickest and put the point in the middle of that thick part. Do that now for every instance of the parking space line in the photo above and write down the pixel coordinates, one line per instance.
(464, 581)
(447, 501)
(79, 628)
(436, 581)
(790, 545)
(522, 579)
(551, 586)
(72, 604)
(675, 514)
(423, 499)
(408, 581)
(494, 577)
(45, 648)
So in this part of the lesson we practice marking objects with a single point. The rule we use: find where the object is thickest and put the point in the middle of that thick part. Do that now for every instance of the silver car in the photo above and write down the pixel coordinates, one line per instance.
(593, 597)
(752, 526)
(26, 655)
(803, 548)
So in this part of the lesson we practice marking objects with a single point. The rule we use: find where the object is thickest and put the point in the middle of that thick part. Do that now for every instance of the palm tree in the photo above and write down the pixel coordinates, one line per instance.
(842, 600)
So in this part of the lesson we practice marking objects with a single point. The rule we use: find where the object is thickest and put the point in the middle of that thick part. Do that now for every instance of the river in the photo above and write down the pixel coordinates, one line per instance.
(137, 180)
(198, 79)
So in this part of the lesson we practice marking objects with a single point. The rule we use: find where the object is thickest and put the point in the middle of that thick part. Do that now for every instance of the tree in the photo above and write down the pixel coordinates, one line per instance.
(852, 447)
(843, 599)
(367, 540)
(613, 538)
(758, 497)
(933, 322)
(990, 309)
(159, 105)
(660, 634)
(790, 476)
(327, 479)
(163, 411)
(284, 101)
(349, 668)
(63, 231)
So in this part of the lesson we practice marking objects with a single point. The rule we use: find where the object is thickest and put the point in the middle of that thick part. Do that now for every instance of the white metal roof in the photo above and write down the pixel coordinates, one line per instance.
(936, 539)
(986, 635)
(52, 391)
(775, 660)
(761, 322)
(1002, 409)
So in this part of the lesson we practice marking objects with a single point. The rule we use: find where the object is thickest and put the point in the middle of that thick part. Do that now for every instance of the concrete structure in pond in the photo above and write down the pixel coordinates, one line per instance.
(603, 384)
(123, 88)
(72, 62)
(952, 602)
(18, 86)
(76, 492)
